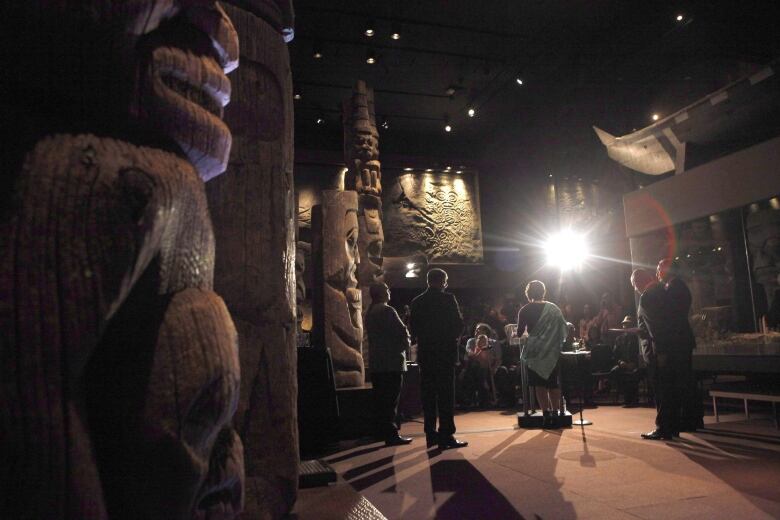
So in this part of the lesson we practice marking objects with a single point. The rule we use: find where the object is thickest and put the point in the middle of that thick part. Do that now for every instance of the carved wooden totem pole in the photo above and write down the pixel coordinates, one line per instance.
(338, 320)
(119, 369)
(364, 175)
(253, 210)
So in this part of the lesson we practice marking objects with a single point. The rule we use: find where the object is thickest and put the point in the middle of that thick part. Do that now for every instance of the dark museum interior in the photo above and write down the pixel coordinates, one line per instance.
(414, 259)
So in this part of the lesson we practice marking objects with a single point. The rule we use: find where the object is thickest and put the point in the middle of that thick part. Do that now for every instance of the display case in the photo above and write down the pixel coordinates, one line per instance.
(730, 261)
(721, 222)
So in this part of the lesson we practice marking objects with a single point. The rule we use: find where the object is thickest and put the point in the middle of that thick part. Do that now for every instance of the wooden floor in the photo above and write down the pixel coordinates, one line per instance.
(600, 471)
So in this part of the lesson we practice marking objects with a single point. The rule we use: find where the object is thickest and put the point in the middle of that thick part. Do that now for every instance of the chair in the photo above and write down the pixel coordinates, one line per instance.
(601, 363)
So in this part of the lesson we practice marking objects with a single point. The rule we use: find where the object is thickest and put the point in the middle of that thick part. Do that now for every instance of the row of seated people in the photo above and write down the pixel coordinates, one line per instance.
(489, 373)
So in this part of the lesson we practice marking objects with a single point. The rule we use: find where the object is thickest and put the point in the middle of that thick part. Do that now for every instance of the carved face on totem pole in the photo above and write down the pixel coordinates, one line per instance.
(342, 298)
(361, 142)
(371, 240)
(148, 71)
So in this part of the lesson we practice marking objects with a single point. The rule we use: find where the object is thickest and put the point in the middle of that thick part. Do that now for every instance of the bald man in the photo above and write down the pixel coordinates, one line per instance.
(661, 354)
(678, 298)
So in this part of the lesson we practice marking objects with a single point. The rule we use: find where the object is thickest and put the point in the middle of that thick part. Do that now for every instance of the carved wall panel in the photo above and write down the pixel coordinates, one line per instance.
(338, 321)
(253, 210)
(435, 215)
(107, 242)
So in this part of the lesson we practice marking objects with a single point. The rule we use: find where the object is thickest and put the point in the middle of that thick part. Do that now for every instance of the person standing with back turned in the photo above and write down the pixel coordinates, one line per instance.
(436, 323)
(389, 342)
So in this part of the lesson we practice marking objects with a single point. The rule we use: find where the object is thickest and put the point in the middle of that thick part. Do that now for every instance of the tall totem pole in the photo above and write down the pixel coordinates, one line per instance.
(119, 369)
(364, 175)
(253, 210)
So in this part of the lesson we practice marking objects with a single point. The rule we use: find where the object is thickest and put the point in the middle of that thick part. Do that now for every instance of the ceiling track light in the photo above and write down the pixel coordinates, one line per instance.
(680, 17)
(385, 123)
(370, 56)
(320, 119)
(447, 125)
(395, 32)
(518, 79)
(316, 51)
(471, 112)
(370, 28)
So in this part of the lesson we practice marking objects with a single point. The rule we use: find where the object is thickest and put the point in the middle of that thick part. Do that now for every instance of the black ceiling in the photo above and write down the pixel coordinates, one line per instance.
(611, 63)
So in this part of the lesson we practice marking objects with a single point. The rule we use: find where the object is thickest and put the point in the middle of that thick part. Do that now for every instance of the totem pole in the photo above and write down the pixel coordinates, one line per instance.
(119, 369)
(361, 153)
(336, 308)
(253, 210)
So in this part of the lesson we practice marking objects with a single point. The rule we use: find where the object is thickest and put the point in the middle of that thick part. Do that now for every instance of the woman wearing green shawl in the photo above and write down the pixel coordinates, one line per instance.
(546, 334)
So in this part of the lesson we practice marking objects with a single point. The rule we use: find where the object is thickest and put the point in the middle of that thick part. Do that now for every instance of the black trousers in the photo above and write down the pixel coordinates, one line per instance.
(437, 382)
(670, 386)
(692, 414)
(386, 393)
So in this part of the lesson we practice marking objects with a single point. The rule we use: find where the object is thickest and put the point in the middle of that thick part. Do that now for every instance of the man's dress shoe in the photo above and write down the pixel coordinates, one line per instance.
(398, 441)
(452, 442)
(657, 435)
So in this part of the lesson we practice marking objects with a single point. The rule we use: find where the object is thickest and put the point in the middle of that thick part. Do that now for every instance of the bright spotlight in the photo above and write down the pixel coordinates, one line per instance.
(566, 250)
(410, 266)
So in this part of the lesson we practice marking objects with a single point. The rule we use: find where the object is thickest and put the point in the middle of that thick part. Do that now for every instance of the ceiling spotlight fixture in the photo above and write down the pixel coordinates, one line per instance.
(320, 120)
(519, 80)
(680, 18)
(370, 56)
(316, 51)
(471, 112)
(297, 96)
(429, 170)
(655, 117)
(370, 25)
(448, 127)
(407, 169)
(385, 123)
(458, 171)
(395, 33)
(448, 168)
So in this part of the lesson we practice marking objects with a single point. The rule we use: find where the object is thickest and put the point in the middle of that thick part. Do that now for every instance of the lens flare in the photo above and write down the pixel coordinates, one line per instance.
(566, 250)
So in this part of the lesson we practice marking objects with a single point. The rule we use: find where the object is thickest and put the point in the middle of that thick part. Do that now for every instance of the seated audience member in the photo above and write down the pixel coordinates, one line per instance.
(483, 354)
(608, 318)
(568, 344)
(589, 326)
(627, 372)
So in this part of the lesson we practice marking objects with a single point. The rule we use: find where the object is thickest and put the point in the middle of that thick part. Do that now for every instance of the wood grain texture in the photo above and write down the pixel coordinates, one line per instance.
(88, 217)
(337, 309)
(253, 211)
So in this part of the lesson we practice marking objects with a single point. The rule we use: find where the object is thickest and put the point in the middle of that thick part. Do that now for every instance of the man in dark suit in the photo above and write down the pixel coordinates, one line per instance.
(678, 298)
(661, 353)
(436, 323)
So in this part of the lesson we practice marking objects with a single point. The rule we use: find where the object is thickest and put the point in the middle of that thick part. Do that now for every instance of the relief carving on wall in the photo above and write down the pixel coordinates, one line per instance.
(434, 215)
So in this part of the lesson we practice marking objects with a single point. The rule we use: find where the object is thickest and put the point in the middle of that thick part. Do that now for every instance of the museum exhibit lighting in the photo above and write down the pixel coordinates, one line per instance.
(316, 51)
(656, 117)
(297, 96)
(370, 25)
(519, 80)
(370, 56)
(448, 128)
(471, 112)
(395, 33)
(407, 169)
(566, 250)
(412, 271)
(320, 120)
(680, 18)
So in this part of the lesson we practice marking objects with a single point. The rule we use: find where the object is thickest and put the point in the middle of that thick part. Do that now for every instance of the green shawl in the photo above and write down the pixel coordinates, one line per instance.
(543, 347)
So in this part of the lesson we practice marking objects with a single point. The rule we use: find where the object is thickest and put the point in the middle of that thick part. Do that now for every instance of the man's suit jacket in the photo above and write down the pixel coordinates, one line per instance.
(436, 323)
(652, 319)
(678, 298)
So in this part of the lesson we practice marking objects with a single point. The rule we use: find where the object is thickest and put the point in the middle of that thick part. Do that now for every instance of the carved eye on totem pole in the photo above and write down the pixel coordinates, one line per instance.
(149, 71)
